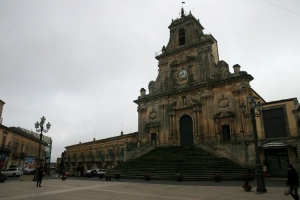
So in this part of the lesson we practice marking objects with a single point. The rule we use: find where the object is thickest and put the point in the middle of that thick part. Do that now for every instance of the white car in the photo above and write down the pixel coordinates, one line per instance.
(12, 172)
(101, 172)
(55, 175)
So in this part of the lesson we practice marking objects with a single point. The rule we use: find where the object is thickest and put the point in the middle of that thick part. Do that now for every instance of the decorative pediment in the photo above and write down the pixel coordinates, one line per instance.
(223, 103)
(190, 58)
(152, 124)
(153, 114)
(224, 114)
(172, 105)
(174, 63)
(196, 101)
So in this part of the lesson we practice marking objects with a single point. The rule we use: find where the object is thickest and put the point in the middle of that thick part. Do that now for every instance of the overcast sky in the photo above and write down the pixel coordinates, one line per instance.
(82, 63)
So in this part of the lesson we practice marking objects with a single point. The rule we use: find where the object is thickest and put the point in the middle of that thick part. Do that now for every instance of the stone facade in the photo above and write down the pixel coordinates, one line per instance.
(18, 144)
(195, 99)
(101, 153)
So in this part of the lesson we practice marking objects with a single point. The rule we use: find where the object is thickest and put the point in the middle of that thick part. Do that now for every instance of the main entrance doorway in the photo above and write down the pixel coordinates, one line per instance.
(153, 139)
(277, 161)
(186, 131)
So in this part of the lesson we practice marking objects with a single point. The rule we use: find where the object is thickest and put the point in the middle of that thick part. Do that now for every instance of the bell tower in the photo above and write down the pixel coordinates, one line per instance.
(189, 57)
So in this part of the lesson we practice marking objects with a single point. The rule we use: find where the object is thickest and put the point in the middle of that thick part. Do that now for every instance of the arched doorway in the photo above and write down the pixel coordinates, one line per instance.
(186, 131)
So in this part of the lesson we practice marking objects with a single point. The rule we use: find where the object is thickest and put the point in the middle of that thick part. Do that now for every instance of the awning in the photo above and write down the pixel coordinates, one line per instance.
(275, 144)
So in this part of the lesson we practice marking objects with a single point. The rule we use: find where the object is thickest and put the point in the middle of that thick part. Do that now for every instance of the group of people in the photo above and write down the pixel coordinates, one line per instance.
(292, 179)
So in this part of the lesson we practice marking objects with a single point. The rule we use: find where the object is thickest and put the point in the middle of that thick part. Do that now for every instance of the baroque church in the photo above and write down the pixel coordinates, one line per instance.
(196, 100)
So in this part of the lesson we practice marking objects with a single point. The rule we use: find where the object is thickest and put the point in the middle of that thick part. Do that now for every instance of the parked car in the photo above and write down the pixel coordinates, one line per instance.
(12, 172)
(56, 175)
(101, 172)
(90, 173)
(68, 174)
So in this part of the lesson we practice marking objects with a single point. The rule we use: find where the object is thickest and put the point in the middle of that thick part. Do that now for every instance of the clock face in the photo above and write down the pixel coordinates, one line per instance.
(182, 73)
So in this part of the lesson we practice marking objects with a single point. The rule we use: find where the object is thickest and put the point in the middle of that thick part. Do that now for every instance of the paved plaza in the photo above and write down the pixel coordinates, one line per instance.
(94, 188)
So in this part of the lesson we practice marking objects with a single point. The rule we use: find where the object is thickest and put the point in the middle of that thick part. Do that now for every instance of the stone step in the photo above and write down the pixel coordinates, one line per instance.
(192, 163)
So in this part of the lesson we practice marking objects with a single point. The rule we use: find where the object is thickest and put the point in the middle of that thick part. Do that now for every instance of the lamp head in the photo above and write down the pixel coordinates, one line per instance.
(37, 125)
(43, 119)
(48, 125)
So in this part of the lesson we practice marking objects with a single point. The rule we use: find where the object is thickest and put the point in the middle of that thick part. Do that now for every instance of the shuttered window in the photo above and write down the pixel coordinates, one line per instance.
(275, 123)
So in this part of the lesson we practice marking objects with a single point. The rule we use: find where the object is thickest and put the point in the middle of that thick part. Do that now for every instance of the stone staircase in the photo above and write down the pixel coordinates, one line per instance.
(194, 164)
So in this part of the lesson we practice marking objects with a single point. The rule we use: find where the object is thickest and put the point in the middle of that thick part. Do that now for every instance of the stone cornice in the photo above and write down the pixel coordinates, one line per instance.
(130, 135)
(194, 87)
(26, 135)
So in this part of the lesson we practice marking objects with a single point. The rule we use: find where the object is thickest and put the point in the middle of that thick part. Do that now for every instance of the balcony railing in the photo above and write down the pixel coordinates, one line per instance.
(81, 159)
(5, 148)
(18, 154)
(109, 158)
(119, 158)
(99, 158)
(90, 159)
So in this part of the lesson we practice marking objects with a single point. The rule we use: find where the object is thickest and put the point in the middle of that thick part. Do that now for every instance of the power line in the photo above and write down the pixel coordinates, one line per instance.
(282, 7)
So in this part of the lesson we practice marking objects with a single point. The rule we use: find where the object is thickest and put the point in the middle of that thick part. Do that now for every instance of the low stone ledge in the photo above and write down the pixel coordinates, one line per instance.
(26, 177)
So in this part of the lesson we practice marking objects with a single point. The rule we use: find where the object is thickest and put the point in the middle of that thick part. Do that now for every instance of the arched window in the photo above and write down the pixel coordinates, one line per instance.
(181, 37)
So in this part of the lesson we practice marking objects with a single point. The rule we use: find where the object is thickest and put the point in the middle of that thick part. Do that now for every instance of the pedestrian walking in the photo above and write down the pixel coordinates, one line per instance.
(293, 181)
(108, 174)
(40, 172)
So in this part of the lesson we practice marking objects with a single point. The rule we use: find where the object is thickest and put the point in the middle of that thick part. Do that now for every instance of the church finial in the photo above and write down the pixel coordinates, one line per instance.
(122, 129)
(182, 10)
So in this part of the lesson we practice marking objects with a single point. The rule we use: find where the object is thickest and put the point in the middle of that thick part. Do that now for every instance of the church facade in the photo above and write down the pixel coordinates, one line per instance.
(195, 99)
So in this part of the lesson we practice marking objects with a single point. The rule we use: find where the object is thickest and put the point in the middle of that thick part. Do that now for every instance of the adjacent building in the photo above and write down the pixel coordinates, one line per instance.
(279, 135)
(19, 147)
(99, 153)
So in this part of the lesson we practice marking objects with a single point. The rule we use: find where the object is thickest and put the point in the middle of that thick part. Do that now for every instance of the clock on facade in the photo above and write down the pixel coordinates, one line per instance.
(182, 73)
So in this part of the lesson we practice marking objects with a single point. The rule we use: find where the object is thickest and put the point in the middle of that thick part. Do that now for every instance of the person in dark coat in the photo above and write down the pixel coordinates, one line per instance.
(293, 181)
(40, 172)
(108, 173)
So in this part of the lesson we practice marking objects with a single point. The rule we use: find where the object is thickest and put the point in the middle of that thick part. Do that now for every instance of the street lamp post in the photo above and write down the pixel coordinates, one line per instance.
(253, 114)
(40, 128)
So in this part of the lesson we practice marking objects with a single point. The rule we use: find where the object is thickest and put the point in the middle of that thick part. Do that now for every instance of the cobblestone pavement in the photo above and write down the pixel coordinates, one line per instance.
(94, 188)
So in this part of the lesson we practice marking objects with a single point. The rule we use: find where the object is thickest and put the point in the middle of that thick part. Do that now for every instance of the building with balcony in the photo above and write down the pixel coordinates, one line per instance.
(98, 154)
(19, 147)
